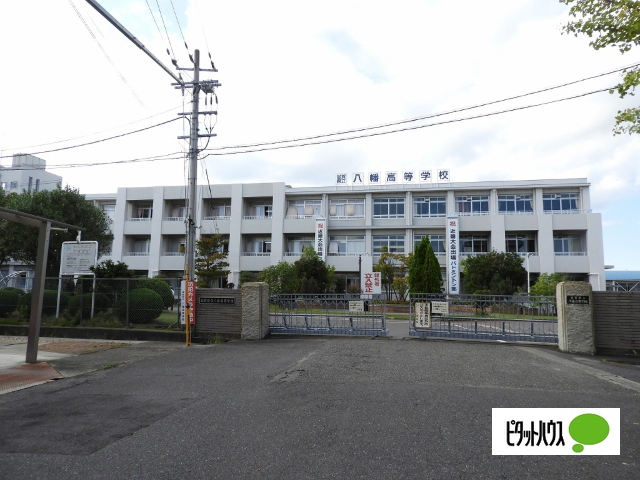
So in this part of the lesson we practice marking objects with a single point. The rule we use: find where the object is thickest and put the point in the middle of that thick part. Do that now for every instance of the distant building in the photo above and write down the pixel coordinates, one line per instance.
(623, 281)
(27, 173)
(548, 222)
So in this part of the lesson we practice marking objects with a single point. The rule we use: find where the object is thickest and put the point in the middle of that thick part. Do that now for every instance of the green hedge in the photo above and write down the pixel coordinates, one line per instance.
(145, 305)
(102, 304)
(49, 302)
(9, 299)
(161, 287)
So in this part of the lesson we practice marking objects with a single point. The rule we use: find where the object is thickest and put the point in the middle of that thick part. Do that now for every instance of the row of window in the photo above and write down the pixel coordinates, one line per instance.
(393, 207)
(345, 245)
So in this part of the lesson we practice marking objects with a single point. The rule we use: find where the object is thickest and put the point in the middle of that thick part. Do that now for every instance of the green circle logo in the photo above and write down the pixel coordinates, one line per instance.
(588, 429)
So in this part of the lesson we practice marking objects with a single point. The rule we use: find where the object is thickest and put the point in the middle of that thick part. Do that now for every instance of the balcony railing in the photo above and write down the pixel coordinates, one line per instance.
(516, 212)
(218, 217)
(256, 254)
(136, 219)
(566, 212)
(256, 217)
(347, 254)
(300, 217)
(174, 219)
(136, 254)
(172, 254)
(570, 254)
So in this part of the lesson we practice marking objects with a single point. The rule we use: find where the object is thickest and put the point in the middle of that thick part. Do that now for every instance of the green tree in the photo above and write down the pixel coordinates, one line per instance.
(424, 269)
(386, 268)
(312, 273)
(281, 278)
(110, 269)
(546, 284)
(211, 263)
(20, 242)
(500, 273)
(611, 23)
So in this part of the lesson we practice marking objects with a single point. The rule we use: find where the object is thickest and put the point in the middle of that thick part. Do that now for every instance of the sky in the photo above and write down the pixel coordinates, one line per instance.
(290, 69)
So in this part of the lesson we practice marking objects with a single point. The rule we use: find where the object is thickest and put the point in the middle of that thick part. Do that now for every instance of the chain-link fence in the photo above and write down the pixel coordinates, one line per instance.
(103, 302)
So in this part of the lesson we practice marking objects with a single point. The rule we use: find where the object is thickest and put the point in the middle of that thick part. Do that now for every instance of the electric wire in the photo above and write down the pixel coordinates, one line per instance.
(179, 26)
(174, 59)
(124, 80)
(99, 141)
(405, 129)
(423, 117)
(206, 42)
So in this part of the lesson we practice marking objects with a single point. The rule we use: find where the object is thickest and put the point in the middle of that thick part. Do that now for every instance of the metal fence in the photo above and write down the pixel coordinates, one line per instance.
(103, 302)
(489, 317)
(327, 315)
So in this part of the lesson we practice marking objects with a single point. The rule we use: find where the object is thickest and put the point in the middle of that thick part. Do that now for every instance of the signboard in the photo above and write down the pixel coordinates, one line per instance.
(577, 299)
(78, 257)
(371, 282)
(453, 268)
(423, 315)
(356, 306)
(189, 296)
(321, 234)
(224, 300)
(440, 308)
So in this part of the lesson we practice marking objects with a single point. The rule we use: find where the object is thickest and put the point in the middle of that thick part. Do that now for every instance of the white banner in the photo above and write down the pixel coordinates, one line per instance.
(371, 282)
(321, 233)
(453, 266)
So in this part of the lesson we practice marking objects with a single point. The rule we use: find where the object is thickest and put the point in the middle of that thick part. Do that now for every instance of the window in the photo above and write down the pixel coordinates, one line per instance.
(176, 212)
(109, 210)
(388, 208)
(520, 243)
(37, 184)
(346, 208)
(258, 246)
(394, 243)
(470, 244)
(14, 185)
(473, 205)
(30, 185)
(219, 211)
(259, 211)
(429, 206)
(560, 202)
(515, 204)
(140, 246)
(346, 245)
(175, 246)
(143, 211)
(568, 244)
(295, 245)
(304, 208)
(436, 240)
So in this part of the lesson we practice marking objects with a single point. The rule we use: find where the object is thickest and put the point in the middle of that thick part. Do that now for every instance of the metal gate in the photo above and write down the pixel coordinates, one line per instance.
(327, 314)
(484, 317)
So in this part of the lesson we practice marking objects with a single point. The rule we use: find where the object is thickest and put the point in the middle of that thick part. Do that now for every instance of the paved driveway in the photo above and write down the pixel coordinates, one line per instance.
(310, 408)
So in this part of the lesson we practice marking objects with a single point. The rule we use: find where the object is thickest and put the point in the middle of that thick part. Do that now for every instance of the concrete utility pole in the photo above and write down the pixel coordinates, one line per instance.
(207, 86)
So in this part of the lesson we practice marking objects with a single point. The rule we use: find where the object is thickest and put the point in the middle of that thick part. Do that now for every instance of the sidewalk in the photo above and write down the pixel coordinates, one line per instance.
(64, 357)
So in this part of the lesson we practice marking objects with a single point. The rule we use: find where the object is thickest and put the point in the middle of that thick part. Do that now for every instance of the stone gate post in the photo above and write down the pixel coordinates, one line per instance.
(575, 318)
(255, 311)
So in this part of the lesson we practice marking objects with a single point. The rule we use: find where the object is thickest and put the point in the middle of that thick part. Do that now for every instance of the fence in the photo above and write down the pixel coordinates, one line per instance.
(108, 302)
(489, 317)
(327, 315)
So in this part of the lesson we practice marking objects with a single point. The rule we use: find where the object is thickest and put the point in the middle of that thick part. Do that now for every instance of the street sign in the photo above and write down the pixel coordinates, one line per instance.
(77, 257)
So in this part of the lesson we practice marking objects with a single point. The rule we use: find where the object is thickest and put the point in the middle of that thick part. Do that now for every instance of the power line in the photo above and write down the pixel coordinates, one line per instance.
(180, 27)
(97, 141)
(174, 59)
(124, 80)
(376, 134)
(423, 117)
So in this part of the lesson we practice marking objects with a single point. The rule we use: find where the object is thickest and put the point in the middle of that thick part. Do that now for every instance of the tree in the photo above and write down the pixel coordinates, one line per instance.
(500, 273)
(109, 269)
(424, 269)
(312, 273)
(546, 284)
(211, 255)
(387, 270)
(281, 278)
(614, 23)
(20, 242)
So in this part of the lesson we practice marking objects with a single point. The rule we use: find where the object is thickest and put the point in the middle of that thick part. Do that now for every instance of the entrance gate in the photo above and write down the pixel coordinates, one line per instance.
(484, 317)
(327, 315)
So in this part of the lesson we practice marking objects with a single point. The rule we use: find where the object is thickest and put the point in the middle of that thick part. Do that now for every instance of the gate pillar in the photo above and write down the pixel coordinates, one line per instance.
(575, 318)
(255, 311)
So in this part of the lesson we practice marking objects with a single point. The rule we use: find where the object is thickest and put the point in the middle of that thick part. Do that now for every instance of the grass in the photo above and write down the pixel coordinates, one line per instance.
(107, 366)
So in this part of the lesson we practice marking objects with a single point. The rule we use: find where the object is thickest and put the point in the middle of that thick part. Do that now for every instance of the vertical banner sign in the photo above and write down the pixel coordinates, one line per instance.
(371, 283)
(423, 315)
(190, 298)
(321, 230)
(453, 270)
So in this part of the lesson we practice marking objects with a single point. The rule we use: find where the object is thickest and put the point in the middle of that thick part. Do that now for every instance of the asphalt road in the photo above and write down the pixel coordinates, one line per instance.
(311, 408)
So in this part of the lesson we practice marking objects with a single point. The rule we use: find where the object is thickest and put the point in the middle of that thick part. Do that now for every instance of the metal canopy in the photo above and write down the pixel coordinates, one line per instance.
(44, 225)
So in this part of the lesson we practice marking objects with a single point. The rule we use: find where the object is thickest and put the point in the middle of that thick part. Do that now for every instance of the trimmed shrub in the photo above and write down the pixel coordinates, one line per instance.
(145, 305)
(161, 287)
(19, 291)
(9, 299)
(102, 305)
(49, 302)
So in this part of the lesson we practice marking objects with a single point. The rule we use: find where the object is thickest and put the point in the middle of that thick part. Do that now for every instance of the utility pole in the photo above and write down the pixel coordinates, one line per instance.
(206, 86)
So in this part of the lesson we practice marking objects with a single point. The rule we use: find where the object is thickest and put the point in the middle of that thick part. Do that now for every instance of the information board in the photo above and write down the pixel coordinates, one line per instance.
(78, 257)
(422, 317)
